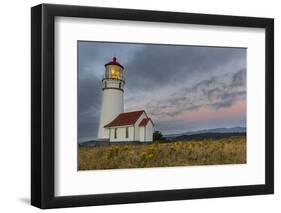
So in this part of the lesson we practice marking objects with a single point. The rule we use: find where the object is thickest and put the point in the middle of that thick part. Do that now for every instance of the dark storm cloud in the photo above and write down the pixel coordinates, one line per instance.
(239, 78)
(93, 55)
(89, 98)
(157, 65)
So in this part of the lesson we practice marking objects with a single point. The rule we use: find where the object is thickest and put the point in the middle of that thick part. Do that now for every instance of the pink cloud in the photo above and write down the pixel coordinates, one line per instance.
(238, 109)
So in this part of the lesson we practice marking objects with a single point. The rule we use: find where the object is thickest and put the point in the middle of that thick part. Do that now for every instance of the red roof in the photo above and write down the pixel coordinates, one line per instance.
(114, 62)
(125, 118)
(144, 121)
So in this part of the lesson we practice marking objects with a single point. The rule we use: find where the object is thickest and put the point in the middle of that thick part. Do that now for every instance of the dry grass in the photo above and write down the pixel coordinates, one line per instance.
(231, 150)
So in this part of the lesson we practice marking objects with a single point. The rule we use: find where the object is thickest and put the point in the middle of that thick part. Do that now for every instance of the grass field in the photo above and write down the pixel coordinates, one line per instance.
(230, 150)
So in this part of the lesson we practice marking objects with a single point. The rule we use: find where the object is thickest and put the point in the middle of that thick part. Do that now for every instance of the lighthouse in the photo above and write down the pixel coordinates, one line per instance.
(115, 124)
(112, 96)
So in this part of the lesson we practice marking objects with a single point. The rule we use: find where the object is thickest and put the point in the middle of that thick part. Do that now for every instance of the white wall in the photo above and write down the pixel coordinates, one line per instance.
(111, 106)
(141, 131)
(121, 134)
(146, 132)
(15, 106)
(149, 129)
(137, 128)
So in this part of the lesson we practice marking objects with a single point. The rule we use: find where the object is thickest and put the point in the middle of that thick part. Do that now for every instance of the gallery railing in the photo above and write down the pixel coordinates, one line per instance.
(114, 77)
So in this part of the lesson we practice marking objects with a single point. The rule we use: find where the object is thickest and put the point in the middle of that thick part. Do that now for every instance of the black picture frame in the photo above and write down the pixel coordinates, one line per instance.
(43, 102)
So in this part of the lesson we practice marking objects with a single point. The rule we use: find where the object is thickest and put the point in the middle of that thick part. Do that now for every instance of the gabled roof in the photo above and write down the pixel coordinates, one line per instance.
(145, 121)
(125, 119)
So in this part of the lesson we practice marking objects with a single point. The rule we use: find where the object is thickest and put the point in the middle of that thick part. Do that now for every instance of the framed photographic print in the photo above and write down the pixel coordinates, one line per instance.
(139, 106)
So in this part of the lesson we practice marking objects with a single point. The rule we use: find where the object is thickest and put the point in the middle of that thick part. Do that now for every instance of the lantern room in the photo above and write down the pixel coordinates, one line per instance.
(114, 70)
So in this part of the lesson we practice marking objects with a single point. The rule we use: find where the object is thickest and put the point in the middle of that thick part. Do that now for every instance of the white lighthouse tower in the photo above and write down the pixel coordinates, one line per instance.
(112, 96)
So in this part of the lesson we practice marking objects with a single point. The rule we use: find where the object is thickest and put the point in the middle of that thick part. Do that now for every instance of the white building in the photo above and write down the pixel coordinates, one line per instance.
(115, 124)
(131, 126)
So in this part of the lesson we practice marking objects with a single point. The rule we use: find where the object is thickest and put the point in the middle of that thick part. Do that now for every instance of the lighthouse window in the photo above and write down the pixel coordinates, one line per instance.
(127, 132)
(115, 74)
(115, 133)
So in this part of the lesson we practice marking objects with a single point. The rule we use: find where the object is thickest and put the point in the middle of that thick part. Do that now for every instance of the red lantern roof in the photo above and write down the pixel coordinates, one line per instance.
(114, 62)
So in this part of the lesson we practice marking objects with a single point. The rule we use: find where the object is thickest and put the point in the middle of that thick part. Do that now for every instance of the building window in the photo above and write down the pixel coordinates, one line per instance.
(127, 132)
(115, 133)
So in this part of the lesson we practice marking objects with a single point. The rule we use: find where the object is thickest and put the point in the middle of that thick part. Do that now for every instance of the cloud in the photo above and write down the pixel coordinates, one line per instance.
(216, 93)
(239, 78)
(89, 98)
(93, 55)
(157, 65)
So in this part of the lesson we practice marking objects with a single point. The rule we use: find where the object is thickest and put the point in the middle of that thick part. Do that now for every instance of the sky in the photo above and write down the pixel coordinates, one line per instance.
(182, 88)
